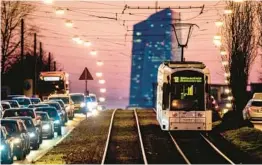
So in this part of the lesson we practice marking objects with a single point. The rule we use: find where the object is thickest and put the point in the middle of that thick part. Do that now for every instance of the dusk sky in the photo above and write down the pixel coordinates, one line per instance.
(112, 39)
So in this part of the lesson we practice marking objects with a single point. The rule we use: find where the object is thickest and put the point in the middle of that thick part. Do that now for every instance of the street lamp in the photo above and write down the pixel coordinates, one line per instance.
(180, 26)
(102, 99)
(103, 90)
(219, 23)
(101, 81)
(99, 63)
(99, 74)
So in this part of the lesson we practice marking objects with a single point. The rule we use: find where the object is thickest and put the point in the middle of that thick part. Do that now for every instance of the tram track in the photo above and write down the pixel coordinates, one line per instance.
(124, 142)
(196, 148)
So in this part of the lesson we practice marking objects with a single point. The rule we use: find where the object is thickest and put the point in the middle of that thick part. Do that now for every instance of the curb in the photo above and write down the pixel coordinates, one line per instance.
(59, 141)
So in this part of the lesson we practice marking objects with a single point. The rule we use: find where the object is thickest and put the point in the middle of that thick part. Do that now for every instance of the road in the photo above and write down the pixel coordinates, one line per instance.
(47, 144)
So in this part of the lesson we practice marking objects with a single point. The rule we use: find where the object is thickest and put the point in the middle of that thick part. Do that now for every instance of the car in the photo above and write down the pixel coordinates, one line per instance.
(63, 107)
(24, 102)
(29, 112)
(35, 100)
(34, 133)
(91, 102)
(253, 110)
(53, 113)
(10, 97)
(6, 147)
(1, 111)
(79, 102)
(59, 110)
(257, 96)
(13, 103)
(69, 104)
(5, 105)
(19, 135)
(38, 105)
(48, 124)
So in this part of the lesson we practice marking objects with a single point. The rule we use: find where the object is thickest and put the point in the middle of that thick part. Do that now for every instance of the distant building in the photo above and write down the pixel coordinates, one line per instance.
(153, 42)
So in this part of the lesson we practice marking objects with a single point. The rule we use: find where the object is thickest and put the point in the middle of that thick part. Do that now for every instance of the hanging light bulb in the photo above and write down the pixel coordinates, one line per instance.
(223, 52)
(239, 1)
(219, 23)
(93, 53)
(60, 11)
(99, 74)
(103, 90)
(217, 43)
(99, 63)
(227, 91)
(230, 98)
(69, 23)
(226, 81)
(75, 38)
(48, 1)
(217, 37)
(224, 63)
(87, 43)
(228, 11)
(101, 81)
(227, 74)
(79, 41)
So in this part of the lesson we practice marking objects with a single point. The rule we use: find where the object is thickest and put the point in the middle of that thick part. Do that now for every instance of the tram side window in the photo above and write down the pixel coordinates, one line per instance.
(165, 96)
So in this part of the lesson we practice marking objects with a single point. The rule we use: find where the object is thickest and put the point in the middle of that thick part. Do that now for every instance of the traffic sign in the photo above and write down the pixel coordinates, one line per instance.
(86, 75)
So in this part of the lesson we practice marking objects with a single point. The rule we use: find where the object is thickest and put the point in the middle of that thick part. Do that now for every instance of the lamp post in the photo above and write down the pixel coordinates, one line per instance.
(180, 44)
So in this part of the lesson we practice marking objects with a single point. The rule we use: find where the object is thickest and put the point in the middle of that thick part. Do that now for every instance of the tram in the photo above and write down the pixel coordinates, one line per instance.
(182, 96)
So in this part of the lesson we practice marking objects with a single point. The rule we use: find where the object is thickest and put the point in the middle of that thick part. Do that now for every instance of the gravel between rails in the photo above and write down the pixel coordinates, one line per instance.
(158, 145)
(124, 146)
(84, 145)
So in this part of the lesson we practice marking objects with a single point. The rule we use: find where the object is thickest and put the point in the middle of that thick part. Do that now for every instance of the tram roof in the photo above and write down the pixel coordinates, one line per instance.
(185, 64)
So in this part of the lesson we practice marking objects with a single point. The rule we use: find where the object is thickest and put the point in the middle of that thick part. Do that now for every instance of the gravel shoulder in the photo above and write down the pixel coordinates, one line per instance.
(85, 144)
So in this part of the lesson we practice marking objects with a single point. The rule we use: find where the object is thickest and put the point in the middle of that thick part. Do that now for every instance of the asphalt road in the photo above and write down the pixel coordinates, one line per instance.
(47, 144)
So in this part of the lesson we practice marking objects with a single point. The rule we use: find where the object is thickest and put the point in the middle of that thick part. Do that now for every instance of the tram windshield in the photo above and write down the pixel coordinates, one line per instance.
(187, 92)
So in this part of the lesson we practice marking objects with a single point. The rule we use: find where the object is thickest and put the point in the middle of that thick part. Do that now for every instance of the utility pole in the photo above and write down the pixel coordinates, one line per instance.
(41, 57)
(35, 58)
(54, 65)
(22, 55)
(49, 61)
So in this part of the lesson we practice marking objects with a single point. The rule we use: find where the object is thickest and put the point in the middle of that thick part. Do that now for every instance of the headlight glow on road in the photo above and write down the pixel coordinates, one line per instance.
(46, 126)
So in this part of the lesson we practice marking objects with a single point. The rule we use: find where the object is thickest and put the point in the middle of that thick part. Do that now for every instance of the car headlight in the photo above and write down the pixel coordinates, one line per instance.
(82, 105)
(2, 147)
(32, 134)
(17, 140)
(56, 121)
(46, 126)
(94, 112)
(90, 105)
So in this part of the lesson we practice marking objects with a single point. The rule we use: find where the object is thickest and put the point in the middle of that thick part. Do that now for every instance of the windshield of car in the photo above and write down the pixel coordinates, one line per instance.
(23, 101)
(61, 103)
(19, 112)
(88, 99)
(5, 106)
(65, 99)
(256, 103)
(38, 105)
(55, 105)
(52, 112)
(28, 123)
(43, 116)
(11, 127)
(78, 98)
(93, 98)
(13, 104)
(35, 100)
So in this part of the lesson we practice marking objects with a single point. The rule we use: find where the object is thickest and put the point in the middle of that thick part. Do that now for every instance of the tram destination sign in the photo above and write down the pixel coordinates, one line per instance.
(183, 79)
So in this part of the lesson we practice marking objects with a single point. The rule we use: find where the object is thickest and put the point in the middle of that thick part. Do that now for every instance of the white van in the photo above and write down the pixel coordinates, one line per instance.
(257, 96)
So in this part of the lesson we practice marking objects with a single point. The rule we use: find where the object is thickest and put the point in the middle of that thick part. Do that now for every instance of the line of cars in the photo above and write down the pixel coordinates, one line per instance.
(25, 121)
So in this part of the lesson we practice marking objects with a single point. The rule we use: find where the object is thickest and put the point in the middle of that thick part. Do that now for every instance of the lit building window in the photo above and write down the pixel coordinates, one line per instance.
(161, 25)
(138, 33)
(152, 25)
(137, 75)
(139, 58)
(139, 67)
(137, 81)
(155, 66)
(169, 14)
(167, 32)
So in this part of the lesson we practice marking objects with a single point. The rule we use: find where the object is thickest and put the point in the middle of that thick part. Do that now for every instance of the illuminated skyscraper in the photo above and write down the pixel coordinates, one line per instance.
(154, 41)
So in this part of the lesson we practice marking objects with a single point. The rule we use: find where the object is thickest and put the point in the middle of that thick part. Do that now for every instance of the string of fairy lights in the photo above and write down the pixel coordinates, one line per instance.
(59, 11)
(217, 40)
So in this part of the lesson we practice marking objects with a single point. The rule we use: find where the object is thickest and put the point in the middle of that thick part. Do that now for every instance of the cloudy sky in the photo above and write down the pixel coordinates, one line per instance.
(112, 39)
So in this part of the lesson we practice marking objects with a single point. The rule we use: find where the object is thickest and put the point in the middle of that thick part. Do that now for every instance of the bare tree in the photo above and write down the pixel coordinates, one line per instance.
(11, 14)
(240, 40)
(259, 16)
